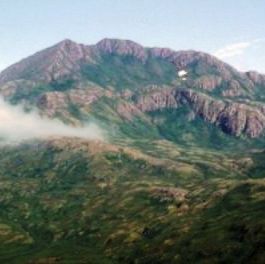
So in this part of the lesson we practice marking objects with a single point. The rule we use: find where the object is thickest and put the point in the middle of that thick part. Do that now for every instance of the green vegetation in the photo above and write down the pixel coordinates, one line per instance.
(183, 127)
(123, 72)
(31, 94)
(74, 201)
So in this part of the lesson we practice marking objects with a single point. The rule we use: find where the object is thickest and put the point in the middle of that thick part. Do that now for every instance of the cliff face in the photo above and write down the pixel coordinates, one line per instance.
(138, 81)
(232, 117)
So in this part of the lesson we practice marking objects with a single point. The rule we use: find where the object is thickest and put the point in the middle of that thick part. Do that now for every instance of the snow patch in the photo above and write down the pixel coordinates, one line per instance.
(182, 73)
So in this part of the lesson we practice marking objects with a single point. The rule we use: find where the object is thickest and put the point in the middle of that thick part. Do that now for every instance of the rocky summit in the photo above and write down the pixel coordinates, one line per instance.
(177, 177)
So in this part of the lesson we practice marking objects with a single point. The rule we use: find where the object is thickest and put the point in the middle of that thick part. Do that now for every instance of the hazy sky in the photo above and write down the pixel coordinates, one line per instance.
(233, 30)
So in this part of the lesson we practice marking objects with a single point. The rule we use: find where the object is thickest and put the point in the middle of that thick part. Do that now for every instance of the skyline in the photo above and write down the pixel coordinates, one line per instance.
(231, 31)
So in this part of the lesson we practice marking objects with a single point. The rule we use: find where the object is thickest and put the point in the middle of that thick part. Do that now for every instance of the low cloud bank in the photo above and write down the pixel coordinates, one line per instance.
(16, 125)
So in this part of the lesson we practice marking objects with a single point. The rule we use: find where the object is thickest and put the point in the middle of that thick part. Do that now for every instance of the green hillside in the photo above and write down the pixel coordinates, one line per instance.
(178, 178)
(76, 201)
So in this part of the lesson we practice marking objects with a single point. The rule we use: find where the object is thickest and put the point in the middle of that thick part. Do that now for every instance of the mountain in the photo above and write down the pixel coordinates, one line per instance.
(135, 82)
(179, 177)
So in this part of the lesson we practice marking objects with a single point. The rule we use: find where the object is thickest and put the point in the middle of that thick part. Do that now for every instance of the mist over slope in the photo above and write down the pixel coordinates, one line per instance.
(16, 125)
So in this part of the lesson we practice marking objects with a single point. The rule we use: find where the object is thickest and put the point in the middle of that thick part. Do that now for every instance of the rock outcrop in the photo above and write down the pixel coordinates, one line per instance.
(256, 78)
(233, 118)
(208, 83)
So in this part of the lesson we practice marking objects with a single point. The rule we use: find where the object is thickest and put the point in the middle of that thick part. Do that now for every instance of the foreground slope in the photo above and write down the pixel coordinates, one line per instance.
(76, 201)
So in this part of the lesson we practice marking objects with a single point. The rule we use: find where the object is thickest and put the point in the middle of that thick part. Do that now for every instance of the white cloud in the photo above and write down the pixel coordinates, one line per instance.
(245, 56)
(236, 49)
(16, 125)
(259, 40)
(232, 50)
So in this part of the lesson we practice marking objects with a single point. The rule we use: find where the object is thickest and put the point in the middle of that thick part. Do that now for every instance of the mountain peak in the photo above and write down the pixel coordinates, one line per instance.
(112, 42)
(122, 47)
(66, 43)
(54, 62)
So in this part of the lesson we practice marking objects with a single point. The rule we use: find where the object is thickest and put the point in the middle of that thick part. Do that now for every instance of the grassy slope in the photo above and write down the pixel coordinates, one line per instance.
(71, 202)
(123, 72)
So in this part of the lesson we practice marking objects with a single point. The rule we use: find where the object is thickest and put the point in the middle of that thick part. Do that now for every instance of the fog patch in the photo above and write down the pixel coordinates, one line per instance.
(16, 125)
